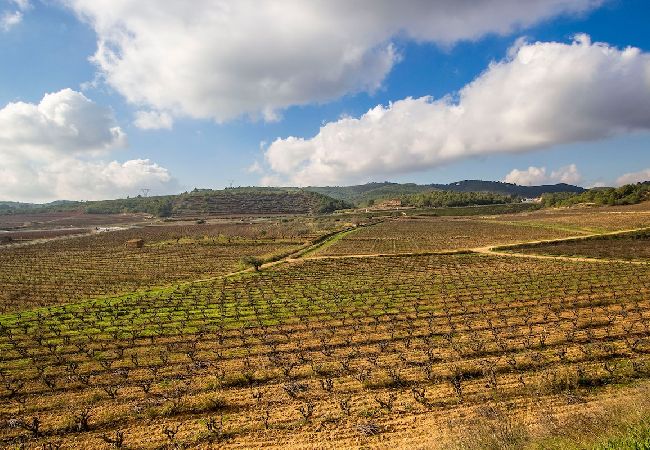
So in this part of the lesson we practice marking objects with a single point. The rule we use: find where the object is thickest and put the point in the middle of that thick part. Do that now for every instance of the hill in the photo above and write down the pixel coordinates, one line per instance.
(8, 206)
(259, 201)
(365, 193)
(205, 202)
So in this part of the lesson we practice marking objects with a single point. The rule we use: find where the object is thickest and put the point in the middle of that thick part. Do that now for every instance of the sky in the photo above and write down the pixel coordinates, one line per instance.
(104, 98)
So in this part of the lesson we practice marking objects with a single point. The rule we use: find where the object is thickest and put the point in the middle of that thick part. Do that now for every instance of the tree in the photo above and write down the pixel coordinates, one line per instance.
(164, 209)
(252, 261)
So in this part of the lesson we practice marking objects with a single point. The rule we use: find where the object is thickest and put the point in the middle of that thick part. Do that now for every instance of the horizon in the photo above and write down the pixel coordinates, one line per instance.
(140, 194)
(397, 93)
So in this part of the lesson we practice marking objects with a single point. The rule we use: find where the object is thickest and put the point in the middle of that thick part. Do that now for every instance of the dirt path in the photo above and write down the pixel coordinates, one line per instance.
(298, 255)
(489, 251)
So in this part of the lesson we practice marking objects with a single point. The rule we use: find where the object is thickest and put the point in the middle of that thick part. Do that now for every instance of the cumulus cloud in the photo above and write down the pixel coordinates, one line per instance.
(222, 59)
(49, 151)
(529, 177)
(542, 94)
(634, 177)
(256, 167)
(538, 175)
(10, 19)
(567, 174)
(153, 120)
(64, 121)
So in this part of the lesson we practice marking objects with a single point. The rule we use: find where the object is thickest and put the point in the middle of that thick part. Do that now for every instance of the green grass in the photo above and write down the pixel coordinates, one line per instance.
(635, 437)
(331, 240)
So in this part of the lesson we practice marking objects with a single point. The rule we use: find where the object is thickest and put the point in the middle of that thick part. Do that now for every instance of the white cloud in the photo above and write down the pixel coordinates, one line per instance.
(256, 167)
(62, 122)
(567, 174)
(23, 5)
(48, 151)
(8, 20)
(538, 175)
(529, 177)
(544, 94)
(222, 59)
(153, 120)
(634, 177)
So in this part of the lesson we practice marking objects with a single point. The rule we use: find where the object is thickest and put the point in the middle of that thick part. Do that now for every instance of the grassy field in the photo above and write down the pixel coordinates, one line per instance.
(461, 350)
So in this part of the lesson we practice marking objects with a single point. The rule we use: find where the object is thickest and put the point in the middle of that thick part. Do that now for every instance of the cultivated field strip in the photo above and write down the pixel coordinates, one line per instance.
(633, 246)
(358, 345)
(420, 235)
(595, 220)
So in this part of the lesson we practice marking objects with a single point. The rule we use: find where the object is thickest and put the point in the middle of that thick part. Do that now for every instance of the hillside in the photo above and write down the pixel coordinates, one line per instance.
(205, 202)
(253, 201)
(286, 200)
(362, 194)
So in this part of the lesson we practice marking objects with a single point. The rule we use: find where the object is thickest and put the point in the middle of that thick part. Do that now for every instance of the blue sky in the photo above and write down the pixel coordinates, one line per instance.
(51, 47)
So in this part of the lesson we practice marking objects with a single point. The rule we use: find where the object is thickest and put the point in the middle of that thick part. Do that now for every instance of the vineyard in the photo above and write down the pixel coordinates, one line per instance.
(590, 220)
(101, 264)
(419, 235)
(173, 345)
(633, 246)
(12, 222)
(301, 349)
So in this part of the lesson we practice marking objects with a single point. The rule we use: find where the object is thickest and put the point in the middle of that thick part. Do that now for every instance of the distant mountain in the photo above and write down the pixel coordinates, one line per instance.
(283, 200)
(362, 194)
(500, 187)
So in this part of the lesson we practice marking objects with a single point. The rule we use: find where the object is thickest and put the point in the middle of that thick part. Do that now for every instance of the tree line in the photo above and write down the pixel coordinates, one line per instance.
(434, 199)
(628, 194)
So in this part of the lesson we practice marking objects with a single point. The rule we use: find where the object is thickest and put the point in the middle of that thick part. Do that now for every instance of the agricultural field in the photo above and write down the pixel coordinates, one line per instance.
(72, 219)
(633, 246)
(68, 270)
(419, 235)
(177, 345)
(12, 237)
(341, 353)
(588, 220)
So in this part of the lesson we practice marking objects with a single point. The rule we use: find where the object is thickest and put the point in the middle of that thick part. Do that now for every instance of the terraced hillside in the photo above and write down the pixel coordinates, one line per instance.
(252, 202)
(255, 201)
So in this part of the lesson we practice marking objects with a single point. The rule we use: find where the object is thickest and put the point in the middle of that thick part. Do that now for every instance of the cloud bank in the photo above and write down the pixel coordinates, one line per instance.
(49, 151)
(541, 95)
(634, 177)
(223, 59)
(538, 175)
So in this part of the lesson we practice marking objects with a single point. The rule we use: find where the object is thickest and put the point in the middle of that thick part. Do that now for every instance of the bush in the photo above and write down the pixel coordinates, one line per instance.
(252, 261)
